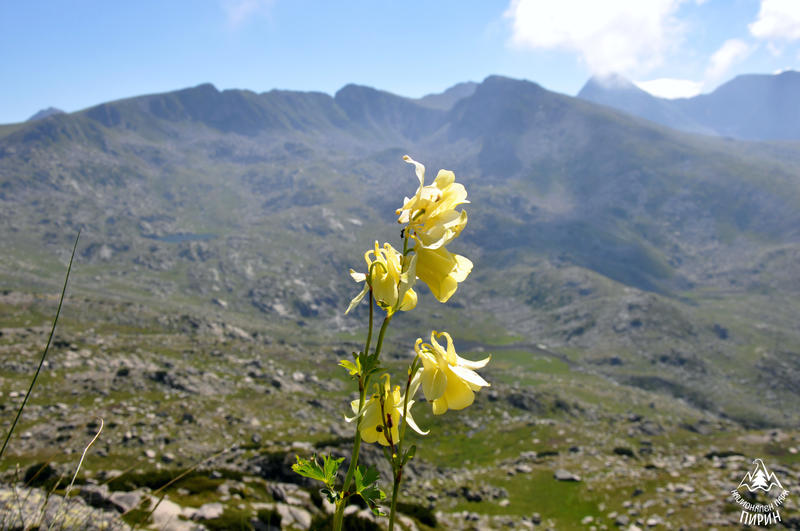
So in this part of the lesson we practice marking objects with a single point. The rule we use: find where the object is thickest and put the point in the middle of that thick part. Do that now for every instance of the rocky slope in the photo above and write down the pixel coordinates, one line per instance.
(636, 286)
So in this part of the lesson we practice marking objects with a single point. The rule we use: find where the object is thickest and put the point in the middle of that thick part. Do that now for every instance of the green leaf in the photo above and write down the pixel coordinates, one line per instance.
(367, 477)
(353, 368)
(372, 495)
(370, 364)
(331, 494)
(331, 467)
(309, 468)
(368, 490)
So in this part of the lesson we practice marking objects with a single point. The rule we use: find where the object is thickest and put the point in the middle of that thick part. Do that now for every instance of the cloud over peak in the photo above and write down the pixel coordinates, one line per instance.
(611, 36)
(731, 52)
(778, 20)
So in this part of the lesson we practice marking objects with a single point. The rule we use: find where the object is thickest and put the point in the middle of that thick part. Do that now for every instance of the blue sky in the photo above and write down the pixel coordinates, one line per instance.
(74, 54)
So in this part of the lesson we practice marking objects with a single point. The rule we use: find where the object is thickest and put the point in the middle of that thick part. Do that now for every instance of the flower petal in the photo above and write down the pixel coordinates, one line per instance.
(418, 168)
(470, 376)
(410, 421)
(469, 364)
(357, 299)
(412, 388)
(434, 383)
(463, 268)
(459, 395)
(444, 179)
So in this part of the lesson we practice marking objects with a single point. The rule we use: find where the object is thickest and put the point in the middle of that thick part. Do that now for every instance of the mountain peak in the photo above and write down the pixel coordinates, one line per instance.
(352, 89)
(749, 106)
(600, 84)
(445, 100)
(496, 80)
(44, 113)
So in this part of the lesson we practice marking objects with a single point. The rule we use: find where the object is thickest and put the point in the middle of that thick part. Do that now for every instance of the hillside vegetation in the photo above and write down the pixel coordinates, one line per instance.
(637, 286)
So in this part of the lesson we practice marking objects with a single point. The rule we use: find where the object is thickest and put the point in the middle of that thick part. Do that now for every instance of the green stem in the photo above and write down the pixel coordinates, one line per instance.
(338, 518)
(395, 489)
(363, 382)
(369, 330)
(398, 476)
(384, 326)
(46, 348)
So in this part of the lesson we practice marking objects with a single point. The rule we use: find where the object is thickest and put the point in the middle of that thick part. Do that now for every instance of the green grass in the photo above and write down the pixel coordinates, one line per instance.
(516, 361)
(565, 502)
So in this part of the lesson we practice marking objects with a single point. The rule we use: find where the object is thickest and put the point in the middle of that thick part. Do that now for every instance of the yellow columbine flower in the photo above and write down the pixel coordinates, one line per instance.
(392, 279)
(372, 425)
(441, 270)
(448, 380)
(431, 213)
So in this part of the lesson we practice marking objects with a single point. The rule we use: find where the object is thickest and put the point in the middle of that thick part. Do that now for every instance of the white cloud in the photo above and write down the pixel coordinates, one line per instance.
(778, 20)
(238, 11)
(623, 36)
(670, 88)
(731, 51)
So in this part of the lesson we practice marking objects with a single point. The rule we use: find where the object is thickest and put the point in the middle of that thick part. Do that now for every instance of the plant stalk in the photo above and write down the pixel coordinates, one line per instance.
(46, 348)
(338, 518)
(384, 326)
(395, 489)
(398, 475)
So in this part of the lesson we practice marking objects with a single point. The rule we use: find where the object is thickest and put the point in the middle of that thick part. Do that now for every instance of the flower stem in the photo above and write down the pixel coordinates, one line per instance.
(395, 488)
(338, 518)
(369, 330)
(398, 472)
(384, 326)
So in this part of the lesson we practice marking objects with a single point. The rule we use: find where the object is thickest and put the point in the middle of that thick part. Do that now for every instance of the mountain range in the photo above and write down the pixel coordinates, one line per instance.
(658, 259)
(750, 107)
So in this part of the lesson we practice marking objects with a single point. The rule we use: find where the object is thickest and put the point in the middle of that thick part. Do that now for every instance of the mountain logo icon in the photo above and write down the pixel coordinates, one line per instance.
(760, 478)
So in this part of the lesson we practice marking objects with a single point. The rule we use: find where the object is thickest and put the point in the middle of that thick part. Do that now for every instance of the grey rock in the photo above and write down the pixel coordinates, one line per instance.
(294, 516)
(21, 508)
(277, 492)
(564, 475)
(125, 501)
(208, 511)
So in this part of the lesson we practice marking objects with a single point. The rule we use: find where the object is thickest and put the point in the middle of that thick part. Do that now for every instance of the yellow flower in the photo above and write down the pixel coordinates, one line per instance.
(372, 425)
(433, 222)
(448, 380)
(441, 270)
(392, 279)
(431, 213)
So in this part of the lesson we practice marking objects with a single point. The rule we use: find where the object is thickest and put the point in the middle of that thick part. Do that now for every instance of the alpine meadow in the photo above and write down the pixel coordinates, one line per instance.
(636, 286)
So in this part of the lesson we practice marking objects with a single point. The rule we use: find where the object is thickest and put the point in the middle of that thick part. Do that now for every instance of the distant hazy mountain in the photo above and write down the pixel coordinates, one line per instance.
(449, 97)
(646, 252)
(620, 93)
(44, 113)
(752, 107)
